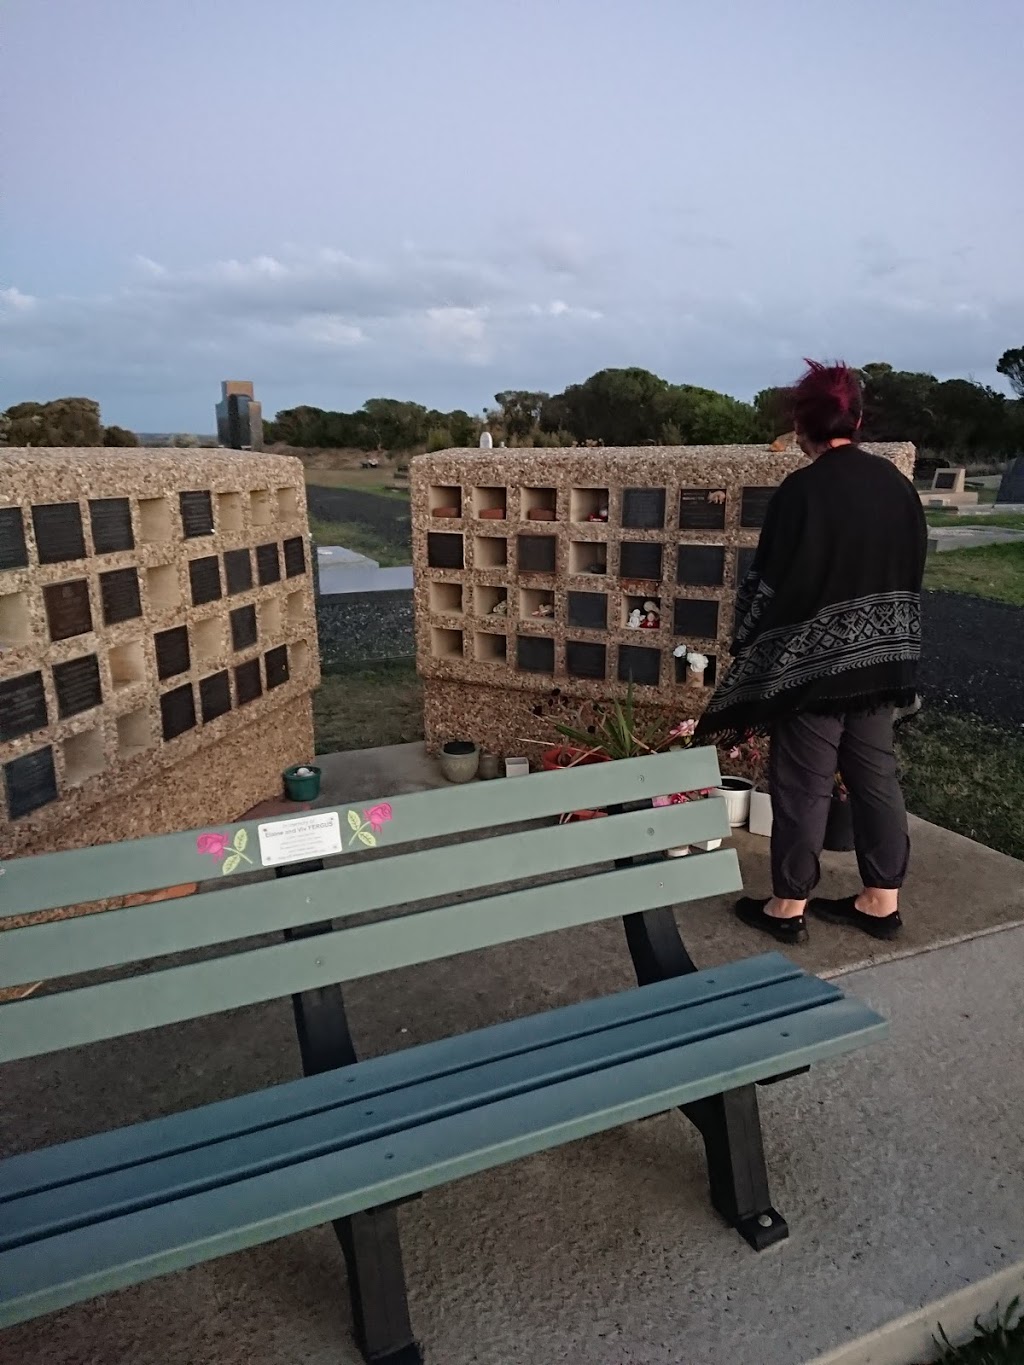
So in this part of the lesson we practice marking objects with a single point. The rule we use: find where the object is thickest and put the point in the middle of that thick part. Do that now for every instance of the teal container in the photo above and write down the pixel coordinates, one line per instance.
(302, 787)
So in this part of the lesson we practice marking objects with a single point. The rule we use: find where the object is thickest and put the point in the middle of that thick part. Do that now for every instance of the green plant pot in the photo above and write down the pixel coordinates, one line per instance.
(302, 788)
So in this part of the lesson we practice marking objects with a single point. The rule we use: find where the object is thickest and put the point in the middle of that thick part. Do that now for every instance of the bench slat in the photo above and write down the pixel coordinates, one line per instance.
(51, 1274)
(49, 880)
(46, 952)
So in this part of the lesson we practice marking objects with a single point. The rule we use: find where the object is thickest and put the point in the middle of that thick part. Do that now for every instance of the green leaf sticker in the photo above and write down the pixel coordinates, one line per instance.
(354, 821)
(365, 837)
(241, 841)
(230, 863)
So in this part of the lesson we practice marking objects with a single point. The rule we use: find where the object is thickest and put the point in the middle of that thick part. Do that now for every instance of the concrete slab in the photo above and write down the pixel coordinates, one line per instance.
(943, 538)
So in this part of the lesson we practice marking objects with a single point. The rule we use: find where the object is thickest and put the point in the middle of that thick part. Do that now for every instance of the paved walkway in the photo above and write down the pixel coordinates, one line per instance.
(973, 659)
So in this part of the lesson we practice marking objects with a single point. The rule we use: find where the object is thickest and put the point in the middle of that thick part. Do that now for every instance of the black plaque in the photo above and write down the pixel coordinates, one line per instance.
(268, 563)
(710, 673)
(535, 654)
(640, 559)
(1011, 487)
(238, 570)
(243, 628)
(58, 528)
(695, 619)
(119, 591)
(178, 711)
(588, 610)
(702, 566)
(248, 685)
(67, 609)
(639, 665)
(215, 696)
(77, 684)
(754, 507)
(22, 706)
(275, 661)
(111, 520)
(585, 660)
(13, 550)
(172, 652)
(744, 563)
(196, 514)
(945, 478)
(537, 554)
(30, 782)
(204, 578)
(643, 509)
(294, 557)
(444, 550)
(701, 509)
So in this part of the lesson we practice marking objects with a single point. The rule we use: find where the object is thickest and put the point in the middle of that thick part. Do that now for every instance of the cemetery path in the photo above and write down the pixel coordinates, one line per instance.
(973, 659)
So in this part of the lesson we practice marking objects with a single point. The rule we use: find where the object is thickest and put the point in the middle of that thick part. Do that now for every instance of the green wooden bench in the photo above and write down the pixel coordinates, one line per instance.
(353, 1139)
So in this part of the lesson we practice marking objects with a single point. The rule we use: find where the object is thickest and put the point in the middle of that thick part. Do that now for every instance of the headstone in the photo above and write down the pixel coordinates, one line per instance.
(294, 557)
(588, 610)
(111, 521)
(535, 654)
(702, 509)
(444, 550)
(268, 564)
(68, 611)
(172, 652)
(119, 593)
(243, 628)
(196, 514)
(215, 696)
(30, 782)
(640, 559)
(486, 441)
(58, 528)
(537, 555)
(238, 571)
(13, 550)
(639, 665)
(1011, 489)
(585, 660)
(643, 509)
(177, 711)
(77, 684)
(949, 481)
(754, 506)
(22, 706)
(701, 566)
(275, 662)
(248, 684)
(204, 580)
(695, 619)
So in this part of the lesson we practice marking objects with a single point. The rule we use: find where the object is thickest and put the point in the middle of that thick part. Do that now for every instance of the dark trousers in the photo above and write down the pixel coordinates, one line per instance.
(806, 753)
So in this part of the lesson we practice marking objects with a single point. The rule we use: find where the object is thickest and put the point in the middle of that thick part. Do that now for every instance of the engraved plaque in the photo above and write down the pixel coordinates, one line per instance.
(178, 711)
(535, 654)
(585, 660)
(754, 507)
(243, 628)
(58, 528)
(248, 685)
(268, 563)
(744, 563)
(294, 557)
(537, 554)
(172, 652)
(643, 509)
(30, 782)
(945, 478)
(13, 550)
(695, 619)
(22, 706)
(588, 610)
(639, 559)
(196, 514)
(639, 665)
(204, 578)
(111, 520)
(215, 696)
(702, 509)
(77, 684)
(275, 661)
(444, 551)
(238, 570)
(67, 609)
(119, 591)
(703, 566)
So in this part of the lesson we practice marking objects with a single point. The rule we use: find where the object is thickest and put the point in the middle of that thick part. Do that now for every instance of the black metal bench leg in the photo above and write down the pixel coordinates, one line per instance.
(731, 1128)
(654, 943)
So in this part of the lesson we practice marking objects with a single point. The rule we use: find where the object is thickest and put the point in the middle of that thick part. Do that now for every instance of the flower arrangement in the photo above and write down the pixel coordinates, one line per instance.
(748, 758)
(616, 730)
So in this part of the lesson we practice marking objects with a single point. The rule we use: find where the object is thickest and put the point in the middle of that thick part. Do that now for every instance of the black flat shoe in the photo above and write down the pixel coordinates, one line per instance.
(793, 930)
(845, 912)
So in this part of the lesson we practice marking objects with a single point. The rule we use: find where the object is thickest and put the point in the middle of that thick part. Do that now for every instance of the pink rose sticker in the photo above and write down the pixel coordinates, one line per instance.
(213, 844)
(378, 816)
(223, 846)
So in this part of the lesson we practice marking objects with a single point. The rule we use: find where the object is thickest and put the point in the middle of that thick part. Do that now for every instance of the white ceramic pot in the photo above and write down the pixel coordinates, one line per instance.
(761, 814)
(735, 791)
(460, 759)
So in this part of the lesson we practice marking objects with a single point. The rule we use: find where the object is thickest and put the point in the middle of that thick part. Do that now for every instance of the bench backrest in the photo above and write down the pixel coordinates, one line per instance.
(370, 869)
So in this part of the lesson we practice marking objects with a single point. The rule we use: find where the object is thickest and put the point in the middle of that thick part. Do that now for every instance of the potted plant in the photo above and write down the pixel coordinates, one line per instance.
(460, 760)
(745, 763)
(839, 830)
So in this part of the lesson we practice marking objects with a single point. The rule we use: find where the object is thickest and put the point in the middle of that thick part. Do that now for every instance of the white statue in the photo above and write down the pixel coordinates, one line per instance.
(635, 617)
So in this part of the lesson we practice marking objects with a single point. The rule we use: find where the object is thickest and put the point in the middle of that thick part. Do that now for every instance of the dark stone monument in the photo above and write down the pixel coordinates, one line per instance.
(30, 782)
(248, 684)
(196, 514)
(67, 609)
(243, 628)
(702, 509)
(58, 528)
(204, 578)
(268, 563)
(294, 557)
(1011, 489)
(22, 706)
(588, 610)
(178, 711)
(535, 654)
(275, 662)
(639, 665)
(172, 652)
(701, 566)
(77, 684)
(640, 559)
(537, 555)
(585, 660)
(643, 509)
(945, 479)
(119, 592)
(695, 619)
(238, 571)
(13, 550)
(754, 506)
(111, 521)
(215, 696)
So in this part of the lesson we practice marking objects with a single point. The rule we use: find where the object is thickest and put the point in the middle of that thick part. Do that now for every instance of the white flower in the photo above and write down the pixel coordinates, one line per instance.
(698, 662)
(679, 652)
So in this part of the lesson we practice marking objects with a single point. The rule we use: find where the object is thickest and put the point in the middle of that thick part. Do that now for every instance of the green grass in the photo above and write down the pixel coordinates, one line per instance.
(357, 536)
(1002, 1343)
(993, 571)
(365, 480)
(1010, 521)
(363, 708)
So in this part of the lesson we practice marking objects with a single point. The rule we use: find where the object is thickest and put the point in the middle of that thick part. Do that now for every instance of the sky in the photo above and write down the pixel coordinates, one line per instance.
(438, 199)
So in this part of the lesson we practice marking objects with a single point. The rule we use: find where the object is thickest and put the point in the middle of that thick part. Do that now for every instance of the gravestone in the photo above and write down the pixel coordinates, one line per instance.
(204, 580)
(754, 506)
(177, 711)
(248, 684)
(275, 662)
(68, 611)
(949, 480)
(215, 696)
(639, 665)
(640, 559)
(119, 593)
(196, 514)
(537, 554)
(695, 619)
(77, 684)
(535, 654)
(238, 571)
(444, 550)
(294, 557)
(111, 521)
(700, 566)
(22, 706)
(13, 550)
(588, 610)
(30, 782)
(1011, 489)
(58, 528)
(643, 509)
(585, 660)
(268, 564)
(243, 628)
(172, 652)
(702, 509)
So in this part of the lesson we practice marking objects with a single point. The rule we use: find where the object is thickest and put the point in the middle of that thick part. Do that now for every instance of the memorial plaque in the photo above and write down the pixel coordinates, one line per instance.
(537, 554)
(945, 478)
(639, 665)
(77, 684)
(744, 563)
(22, 706)
(1011, 486)
(535, 654)
(695, 619)
(30, 782)
(754, 506)
(119, 592)
(248, 685)
(243, 628)
(702, 509)
(238, 570)
(444, 550)
(58, 528)
(640, 559)
(111, 520)
(204, 578)
(275, 661)
(13, 550)
(196, 514)
(178, 711)
(268, 564)
(585, 660)
(67, 609)
(643, 509)
(294, 557)
(172, 652)
(703, 566)
(588, 610)
(215, 696)
(710, 673)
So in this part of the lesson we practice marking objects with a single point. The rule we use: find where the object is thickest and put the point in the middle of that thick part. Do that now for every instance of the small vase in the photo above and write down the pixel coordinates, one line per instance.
(760, 814)
(460, 760)
(489, 767)
(696, 678)
(735, 791)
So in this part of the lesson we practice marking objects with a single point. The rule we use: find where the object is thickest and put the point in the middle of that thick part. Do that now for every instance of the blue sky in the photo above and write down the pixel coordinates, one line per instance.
(434, 199)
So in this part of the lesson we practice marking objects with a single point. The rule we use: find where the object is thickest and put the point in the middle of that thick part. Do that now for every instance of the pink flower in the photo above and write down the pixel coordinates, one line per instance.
(213, 844)
(684, 730)
(378, 816)
(734, 753)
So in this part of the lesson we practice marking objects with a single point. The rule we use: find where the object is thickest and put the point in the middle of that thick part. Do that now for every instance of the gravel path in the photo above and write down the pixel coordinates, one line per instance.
(974, 657)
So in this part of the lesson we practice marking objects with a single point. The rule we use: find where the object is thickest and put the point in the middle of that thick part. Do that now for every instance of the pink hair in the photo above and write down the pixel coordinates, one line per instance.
(827, 401)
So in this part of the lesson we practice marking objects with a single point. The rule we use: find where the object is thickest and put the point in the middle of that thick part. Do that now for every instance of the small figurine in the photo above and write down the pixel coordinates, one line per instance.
(650, 621)
(500, 608)
(545, 609)
(635, 619)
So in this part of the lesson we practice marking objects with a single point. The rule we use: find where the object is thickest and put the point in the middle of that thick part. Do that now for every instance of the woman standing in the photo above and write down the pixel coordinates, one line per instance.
(826, 647)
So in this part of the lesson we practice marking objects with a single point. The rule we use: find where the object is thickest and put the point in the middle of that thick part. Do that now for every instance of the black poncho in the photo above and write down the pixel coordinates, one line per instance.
(829, 618)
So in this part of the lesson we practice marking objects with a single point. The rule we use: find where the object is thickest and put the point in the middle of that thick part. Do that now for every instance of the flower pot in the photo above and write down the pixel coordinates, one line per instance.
(489, 767)
(302, 783)
(460, 760)
(839, 830)
(735, 791)
(692, 676)
(567, 756)
(517, 767)
(760, 814)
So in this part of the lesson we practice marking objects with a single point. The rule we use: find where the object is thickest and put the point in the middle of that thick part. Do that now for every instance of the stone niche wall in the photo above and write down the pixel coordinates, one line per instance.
(158, 642)
(525, 529)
